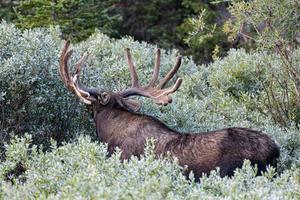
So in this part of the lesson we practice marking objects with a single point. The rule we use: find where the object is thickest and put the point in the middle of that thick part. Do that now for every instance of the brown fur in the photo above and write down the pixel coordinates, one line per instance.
(203, 152)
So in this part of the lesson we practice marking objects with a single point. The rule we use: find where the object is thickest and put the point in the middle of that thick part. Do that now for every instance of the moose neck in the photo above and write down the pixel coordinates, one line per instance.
(115, 125)
(103, 119)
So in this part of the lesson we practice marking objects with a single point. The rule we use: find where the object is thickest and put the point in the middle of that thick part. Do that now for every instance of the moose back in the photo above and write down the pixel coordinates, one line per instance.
(119, 125)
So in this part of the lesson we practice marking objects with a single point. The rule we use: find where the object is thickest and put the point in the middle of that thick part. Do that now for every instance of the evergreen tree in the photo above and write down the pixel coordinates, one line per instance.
(76, 18)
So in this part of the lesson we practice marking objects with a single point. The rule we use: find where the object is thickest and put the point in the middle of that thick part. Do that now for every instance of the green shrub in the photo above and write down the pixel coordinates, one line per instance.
(272, 70)
(204, 34)
(258, 81)
(273, 31)
(80, 170)
(34, 100)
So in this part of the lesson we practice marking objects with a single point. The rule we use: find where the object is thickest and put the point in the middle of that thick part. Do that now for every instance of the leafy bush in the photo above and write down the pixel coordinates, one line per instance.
(80, 170)
(274, 30)
(204, 34)
(257, 80)
(271, 29)
(33, 100)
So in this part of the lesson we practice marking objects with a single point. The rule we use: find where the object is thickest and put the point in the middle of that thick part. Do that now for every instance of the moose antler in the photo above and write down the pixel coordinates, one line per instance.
(157, 93)
(73, 82)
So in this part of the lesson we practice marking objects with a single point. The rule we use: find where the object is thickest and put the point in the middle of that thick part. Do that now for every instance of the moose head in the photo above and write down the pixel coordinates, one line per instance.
(102, 98)
(119, 125)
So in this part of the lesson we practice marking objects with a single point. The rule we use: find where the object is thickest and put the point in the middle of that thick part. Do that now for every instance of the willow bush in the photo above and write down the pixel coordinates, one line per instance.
(271, 30)
(32, 97)
(36, 106)
(81, 170)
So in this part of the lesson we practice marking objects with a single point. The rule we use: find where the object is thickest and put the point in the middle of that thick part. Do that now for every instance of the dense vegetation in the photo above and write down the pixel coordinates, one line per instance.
(80, 170)
(33, 100)
(163, 22)
(48, 147)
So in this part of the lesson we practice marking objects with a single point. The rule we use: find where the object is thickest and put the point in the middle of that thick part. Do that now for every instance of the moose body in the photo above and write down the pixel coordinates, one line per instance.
(202, 152)
(119, 125)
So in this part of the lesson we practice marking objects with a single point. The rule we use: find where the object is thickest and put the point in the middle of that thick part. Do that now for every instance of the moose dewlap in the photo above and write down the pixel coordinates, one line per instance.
(119, 125)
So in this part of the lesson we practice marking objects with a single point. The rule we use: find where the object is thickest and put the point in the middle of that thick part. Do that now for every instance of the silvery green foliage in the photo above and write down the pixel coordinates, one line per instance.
(259, 81)
(32, 97)
(81, 170)
(34, 100)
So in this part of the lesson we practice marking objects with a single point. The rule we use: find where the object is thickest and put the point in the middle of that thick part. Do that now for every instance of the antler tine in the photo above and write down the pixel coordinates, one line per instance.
(155, 69)
(76, 78)
(171, 73)
(173, 88)
(73, 82)
(162, 97)
(133, 74)
(157, 93)
(80, 63)
(63, 69)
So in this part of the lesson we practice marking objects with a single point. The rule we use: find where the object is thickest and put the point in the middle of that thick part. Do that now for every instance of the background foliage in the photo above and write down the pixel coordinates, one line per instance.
(228, 92)
(77, 19)
(273, 31)
(163, 22)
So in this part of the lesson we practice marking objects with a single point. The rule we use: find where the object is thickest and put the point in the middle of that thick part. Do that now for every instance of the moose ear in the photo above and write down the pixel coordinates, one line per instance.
(104, 98)
(129, 104)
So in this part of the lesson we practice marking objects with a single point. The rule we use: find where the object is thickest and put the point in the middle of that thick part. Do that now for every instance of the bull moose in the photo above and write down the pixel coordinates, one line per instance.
(119, 125)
